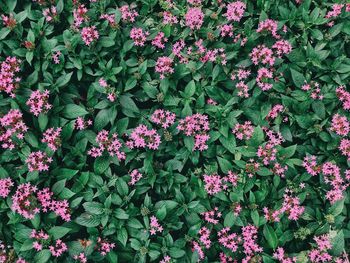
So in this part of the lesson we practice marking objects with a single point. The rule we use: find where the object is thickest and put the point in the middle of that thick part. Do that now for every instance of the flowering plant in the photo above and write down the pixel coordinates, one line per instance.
(174, 131)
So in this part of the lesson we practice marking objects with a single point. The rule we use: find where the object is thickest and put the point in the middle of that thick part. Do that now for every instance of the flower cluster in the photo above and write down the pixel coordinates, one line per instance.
(128, 14)
(138, 36)
(164, 66)
(194, 18)
(243, 131)
(89, 35)
(81, 124)
(163, 117)
(58, 249)
(314, 89)
(8, 80)
(40, 237)
(155, 226)
(142, 137)
(340, 125)
(105, 143)
(24, 201)
(38, 161)
(135, 177)
(39, 102)
(104, 246)
(196, 125)
(5, 187)
(52, 137)
(235, 11)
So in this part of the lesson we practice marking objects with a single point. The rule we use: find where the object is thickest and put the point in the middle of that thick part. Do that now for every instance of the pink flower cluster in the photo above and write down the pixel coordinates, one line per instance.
(166, 259)
(280, 255)
(142, 137)
(81, 124)
(81, 258)
(60, 208)
(243, 131)
(39, 237)
(89, 35)
(333, 177)
(110, 18)
(282, 47)
(135, 177)
(164, 66)
(24, 201)
(275, 111)
(212, 216)
(235, 11)
(163, 117)
(104, 246)
(111, 95)
(38, 161)
(5, 187)
(320, 254)
(344, 97)
(205, 237)
(250, 247)
(196, 125)
(159, 40)
(214, 183)
(111, 145)
(58, 249)
(226, 30)
(138, 36)
(340, 125)
(128, 15)
(39, 102)
(311, 166)
(80, 15)
(155, 226)
(8, 80)
(263, 55)
(314, 89)
(52, 137)
(264, 78)
(269, 25)
(11, 125)
(169, 18)
(194, 18)
(50, 14)
(56, 57)
(9, 21)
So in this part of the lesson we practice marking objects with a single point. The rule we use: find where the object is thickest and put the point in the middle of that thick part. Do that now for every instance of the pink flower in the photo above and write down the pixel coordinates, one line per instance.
(344, 97)
(194, 18)
(38, 161)
(250, 236)
(166, 259)
(344, 147)
(80, 15)
(38, 102)
(52, 137)
(336, 11)
(198, 249)
(226, 30)
(110, 18)
(5, 187)
(273, 113)
(263, 79)
(81, 124)
(89, 34)
(235, 11)
(205, 237)
(58, 249)
(11, 125)
(213, 184)
(155, 226)
(8, 80)
(212, 216)
(56, 57)
(142, 137)
(9, 21)
(229, 241)
(159, 40)
(111, 145)
(23, 201)
(81, 258)
(40, 237)
(104, 246)
(138, 36)
(282, 47)
(169, 18)
(50, 14)
(262, 54)
(279, 254)
(340, 125)
(269, 25)
(135, 177)
(128, 15)
(163, 117)
(243, 131)
(313, 89)
(164, 66)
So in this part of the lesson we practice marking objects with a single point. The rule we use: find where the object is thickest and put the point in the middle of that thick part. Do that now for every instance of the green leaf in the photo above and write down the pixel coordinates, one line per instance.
(88, 220)
(101, 164)
(64, 79)
(58, 232)
(270, 236)
(224, 164)
(337, 207)
(73, 111)
(297, 77)
(190, 89)
(129, 107)
(106, 42)
(122, 236)
(42, 256)
(338, 244)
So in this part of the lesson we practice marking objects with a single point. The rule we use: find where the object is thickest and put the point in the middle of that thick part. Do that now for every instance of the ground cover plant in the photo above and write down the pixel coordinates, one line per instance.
(174, 131)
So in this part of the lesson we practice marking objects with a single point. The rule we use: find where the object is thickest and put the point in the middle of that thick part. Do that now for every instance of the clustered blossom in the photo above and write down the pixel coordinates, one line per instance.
(164, 66)
(251, 167)
(344, 97)
(8, 80)
(58, 249)
(142, 137)
(81, 124)
(39, 102)
(205, 237)
(155, 226)
(334, 178)
(250, 236)
(11, 125)
(50, 14)
(24, 201)
(5, 187)
(81, 258)
(169, 18)
(52, 137)
(340, 125)
(235, 11)
(196, 125)
(138, 36)
(213, 184)
(105, 143)
(135, 177)
(38, 161)
(269, 25)
(336, 11)
(275, 111)
(89, 35)
(196, 247)
(194, 18)
(344, 147)
(110, 18)
(263, 55)
(311, 166)
(320, 254)
(229, 240)
(264, 78)
(280, 255)
(291, 206)
(39, 237)
(242, 89)
(212, 216)
(104, 246)
(159, 40)
(111, 95)
(59, 207)
(243, 131)
(163, 117)
(166, 259)
(80, 15)
(282, 47)
(9, 21)
(56, 57)
(226, 30)
(128, 14)
(314, 89)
